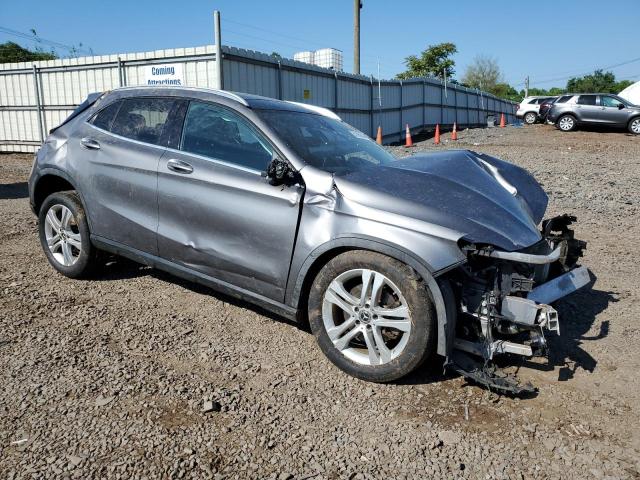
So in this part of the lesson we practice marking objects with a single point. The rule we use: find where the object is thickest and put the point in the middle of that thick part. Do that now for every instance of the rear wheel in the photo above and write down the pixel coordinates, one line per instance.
(64, 235)
(372, 316)
(530, 118)
(634, 126)
(566, 123)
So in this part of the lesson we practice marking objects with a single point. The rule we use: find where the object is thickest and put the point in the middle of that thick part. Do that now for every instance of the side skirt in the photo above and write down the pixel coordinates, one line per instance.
(194, 276)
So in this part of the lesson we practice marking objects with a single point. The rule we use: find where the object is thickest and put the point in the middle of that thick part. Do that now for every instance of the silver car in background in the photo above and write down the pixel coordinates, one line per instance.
(604, 109)
(390, 261)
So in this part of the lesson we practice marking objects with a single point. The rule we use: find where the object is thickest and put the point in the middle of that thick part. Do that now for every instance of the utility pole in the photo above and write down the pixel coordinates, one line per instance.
(357, 5)
(526, 86)
(218, 82)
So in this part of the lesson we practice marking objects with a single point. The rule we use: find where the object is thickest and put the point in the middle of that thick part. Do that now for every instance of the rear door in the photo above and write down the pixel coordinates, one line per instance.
(120, 148)
(587, 109)
(217, 213)
(611, 111)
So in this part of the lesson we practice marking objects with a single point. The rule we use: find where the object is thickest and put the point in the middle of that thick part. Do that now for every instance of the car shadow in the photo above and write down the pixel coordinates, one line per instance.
(577, 313)
(120, 268)
(604, 129)
(13, 191)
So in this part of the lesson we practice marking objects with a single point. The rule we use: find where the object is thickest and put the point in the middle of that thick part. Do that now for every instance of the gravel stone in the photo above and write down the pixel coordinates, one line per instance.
(110, 377)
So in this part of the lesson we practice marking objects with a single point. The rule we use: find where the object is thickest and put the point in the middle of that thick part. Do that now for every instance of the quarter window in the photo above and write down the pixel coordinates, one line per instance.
(586, 100)
(564, 99)
(142, 119)
(104, 118)
(218, 133)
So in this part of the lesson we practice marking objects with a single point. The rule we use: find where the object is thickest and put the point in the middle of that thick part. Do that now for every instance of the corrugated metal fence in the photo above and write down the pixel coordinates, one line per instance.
(36, 97)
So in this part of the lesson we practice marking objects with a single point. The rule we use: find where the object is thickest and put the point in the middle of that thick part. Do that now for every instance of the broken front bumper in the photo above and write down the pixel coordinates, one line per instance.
(505, 299)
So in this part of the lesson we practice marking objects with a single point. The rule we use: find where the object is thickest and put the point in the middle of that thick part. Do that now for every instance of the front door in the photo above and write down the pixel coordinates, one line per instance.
(611, 111)
(217, 213)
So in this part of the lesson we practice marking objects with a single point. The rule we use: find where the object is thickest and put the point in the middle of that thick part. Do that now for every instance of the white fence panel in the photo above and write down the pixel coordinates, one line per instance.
(26, 116)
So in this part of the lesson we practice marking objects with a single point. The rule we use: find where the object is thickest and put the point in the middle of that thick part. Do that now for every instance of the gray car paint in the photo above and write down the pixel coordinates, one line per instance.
(230, 224)
(595, 114)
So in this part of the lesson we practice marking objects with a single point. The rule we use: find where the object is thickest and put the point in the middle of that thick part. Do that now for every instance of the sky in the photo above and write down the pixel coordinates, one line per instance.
(547, 40)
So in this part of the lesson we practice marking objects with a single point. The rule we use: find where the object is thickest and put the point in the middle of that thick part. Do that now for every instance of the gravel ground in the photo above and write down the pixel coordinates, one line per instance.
(138, 375)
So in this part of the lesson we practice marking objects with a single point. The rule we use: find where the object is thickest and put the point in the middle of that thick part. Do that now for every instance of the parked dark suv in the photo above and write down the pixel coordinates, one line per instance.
(288, 207)
(595, 109)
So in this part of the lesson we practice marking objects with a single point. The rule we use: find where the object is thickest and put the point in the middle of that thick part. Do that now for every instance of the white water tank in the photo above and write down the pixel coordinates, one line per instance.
(328, 58)
(306, 57)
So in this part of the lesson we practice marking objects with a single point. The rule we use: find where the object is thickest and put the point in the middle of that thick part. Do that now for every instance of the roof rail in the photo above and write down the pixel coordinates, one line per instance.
(325, 112)
(215, 91)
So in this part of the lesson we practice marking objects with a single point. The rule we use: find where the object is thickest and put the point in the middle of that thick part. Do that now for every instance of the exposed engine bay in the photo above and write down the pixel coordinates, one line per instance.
(504, 298)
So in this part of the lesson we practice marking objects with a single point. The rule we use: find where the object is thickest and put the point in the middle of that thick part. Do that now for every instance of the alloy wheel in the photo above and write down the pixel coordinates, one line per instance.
(635, 126)
(566, 123)
(62, 235)
(530, 118)
(366, 317)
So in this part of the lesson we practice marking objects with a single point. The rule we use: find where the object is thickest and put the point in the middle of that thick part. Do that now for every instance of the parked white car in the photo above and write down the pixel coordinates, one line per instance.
(529, 108)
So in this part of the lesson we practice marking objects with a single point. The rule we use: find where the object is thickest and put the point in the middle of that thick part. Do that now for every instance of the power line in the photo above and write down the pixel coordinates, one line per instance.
(37, 39)
(299, 39)
(609, 67)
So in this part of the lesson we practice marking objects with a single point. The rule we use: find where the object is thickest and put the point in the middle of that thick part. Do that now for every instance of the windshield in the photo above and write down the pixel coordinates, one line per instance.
(325, 143)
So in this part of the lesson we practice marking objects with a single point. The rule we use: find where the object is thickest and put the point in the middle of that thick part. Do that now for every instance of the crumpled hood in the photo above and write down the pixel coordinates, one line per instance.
(485, 199)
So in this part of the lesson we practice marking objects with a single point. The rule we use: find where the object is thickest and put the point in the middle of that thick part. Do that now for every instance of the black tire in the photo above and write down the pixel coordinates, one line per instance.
(421, 338)
(530, 118)
(634, 126)
(566, 123)
(86, 260)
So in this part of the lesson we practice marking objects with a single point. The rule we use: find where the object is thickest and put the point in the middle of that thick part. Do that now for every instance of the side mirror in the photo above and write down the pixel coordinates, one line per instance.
(279, 171)
(620, 106)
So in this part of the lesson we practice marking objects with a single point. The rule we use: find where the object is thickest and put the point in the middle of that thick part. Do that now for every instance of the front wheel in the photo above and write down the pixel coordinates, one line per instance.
(530, 118)
(566, 123)
(372, 316)
(634, 126)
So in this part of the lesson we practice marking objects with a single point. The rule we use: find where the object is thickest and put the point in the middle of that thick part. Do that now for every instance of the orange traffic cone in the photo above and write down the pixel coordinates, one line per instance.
(454, 134)
(436, 139)
(502, 124)
(407, 139)
(379, 136)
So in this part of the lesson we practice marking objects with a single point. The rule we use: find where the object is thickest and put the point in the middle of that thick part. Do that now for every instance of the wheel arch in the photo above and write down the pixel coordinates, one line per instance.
(439, 288)
(52, 180)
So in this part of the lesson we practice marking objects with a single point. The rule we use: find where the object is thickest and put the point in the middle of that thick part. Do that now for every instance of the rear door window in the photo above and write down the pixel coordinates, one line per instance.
(142, 119)
(586, 100)
(104, 118)
(218, 133)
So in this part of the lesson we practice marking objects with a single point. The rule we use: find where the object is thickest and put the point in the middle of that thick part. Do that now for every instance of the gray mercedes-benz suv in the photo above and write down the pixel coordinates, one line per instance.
(288, 207)
(594, 109)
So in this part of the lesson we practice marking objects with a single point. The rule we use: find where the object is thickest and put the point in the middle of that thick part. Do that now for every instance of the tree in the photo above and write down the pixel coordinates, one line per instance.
(506, 91)
(484, 73)
(12, 52)
(432, 62)
(598, 81)
(557, 91)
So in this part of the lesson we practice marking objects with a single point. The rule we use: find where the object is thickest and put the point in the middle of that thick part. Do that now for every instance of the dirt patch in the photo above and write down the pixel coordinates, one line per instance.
(107, 378)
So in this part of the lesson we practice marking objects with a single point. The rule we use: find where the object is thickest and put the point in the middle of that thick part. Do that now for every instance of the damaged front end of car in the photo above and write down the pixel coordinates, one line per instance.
(504, 301)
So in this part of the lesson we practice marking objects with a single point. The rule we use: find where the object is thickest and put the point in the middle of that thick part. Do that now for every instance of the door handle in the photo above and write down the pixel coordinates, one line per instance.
(179, 166)
(90, 143)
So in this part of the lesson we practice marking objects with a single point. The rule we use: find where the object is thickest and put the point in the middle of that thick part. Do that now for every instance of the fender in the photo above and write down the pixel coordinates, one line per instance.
(56, 172)
(440, 291)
